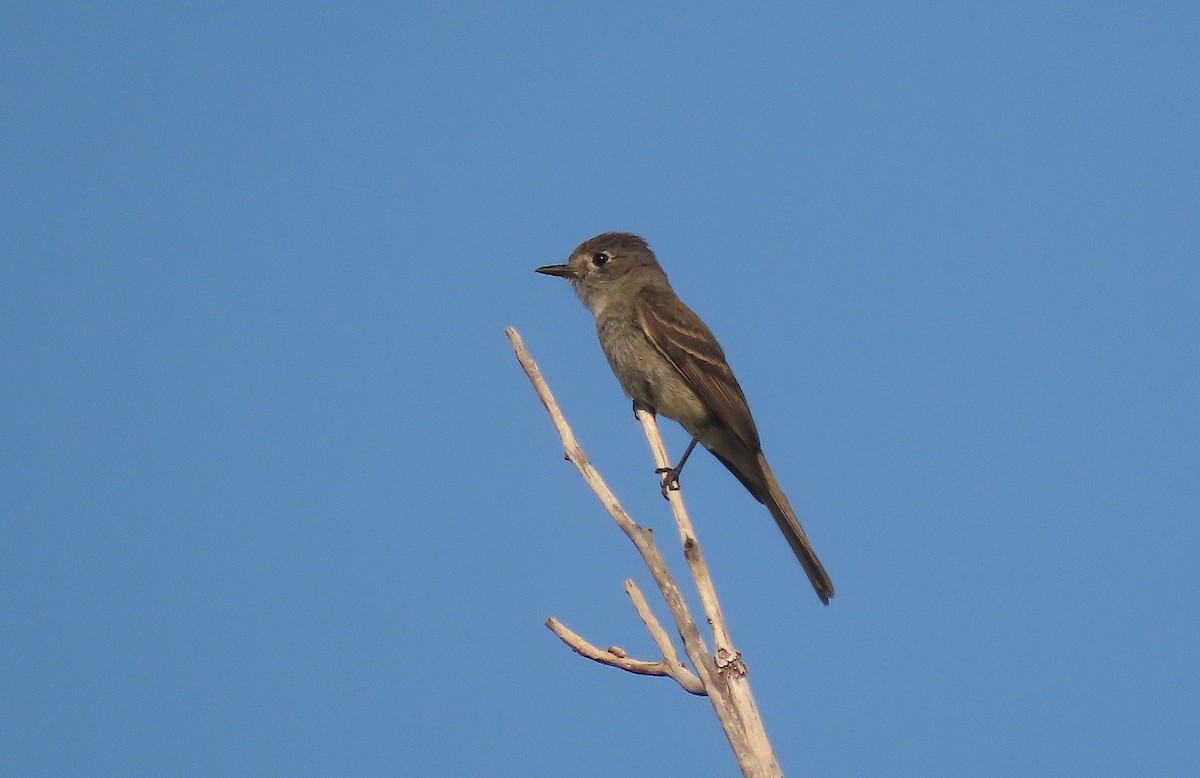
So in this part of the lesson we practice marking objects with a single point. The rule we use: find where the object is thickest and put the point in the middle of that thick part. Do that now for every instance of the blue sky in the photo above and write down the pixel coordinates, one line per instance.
(275, 497)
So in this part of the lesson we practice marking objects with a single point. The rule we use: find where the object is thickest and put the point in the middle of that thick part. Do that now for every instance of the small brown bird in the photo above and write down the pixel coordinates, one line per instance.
(669, 362)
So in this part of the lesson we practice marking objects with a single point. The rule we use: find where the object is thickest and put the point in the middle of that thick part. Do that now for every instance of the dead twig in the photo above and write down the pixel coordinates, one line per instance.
(721, 675)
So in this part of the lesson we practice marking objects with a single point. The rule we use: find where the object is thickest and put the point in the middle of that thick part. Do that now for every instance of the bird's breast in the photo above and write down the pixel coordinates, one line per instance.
(645, 374)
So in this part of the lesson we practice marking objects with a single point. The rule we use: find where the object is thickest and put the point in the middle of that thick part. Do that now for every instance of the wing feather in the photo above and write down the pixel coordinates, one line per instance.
(688, 344)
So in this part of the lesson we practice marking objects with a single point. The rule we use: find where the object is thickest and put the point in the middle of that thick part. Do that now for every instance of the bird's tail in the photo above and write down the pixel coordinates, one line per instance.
(777, 503)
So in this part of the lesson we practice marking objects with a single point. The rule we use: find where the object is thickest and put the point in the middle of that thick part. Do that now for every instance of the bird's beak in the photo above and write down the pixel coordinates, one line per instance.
(562, 271)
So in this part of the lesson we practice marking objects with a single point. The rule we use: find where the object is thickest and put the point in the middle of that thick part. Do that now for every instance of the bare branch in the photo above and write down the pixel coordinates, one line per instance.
(661, 638)
(616, 657)
(723, 679)
(643, 539)
(728, 658)
(687, 679)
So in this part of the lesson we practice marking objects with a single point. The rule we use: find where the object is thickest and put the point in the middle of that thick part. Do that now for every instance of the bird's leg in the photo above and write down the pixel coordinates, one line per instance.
(670, 481)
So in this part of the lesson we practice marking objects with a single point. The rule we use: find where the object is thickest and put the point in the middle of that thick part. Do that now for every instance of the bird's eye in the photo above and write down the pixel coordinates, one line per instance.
(599, 259)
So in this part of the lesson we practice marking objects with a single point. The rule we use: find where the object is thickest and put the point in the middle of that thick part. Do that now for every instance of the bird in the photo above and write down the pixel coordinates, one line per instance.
(668, 362)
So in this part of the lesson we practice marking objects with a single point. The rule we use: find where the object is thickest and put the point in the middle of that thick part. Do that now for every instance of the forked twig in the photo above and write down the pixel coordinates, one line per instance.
(721, 677)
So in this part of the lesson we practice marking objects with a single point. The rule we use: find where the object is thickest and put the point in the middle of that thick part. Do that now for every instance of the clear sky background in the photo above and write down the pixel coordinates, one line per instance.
(275, 497)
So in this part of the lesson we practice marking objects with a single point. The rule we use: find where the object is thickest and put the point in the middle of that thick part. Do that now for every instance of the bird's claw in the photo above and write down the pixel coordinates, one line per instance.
(670, 481)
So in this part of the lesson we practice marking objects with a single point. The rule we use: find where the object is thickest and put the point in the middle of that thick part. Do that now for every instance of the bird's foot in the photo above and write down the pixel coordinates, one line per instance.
(670, 479)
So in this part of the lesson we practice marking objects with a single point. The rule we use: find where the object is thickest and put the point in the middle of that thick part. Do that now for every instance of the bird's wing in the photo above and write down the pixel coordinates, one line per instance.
(687, 343)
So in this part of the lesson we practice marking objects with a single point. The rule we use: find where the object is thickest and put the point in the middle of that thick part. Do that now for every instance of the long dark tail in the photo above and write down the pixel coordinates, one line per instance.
(777, 503)
(755, 474)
